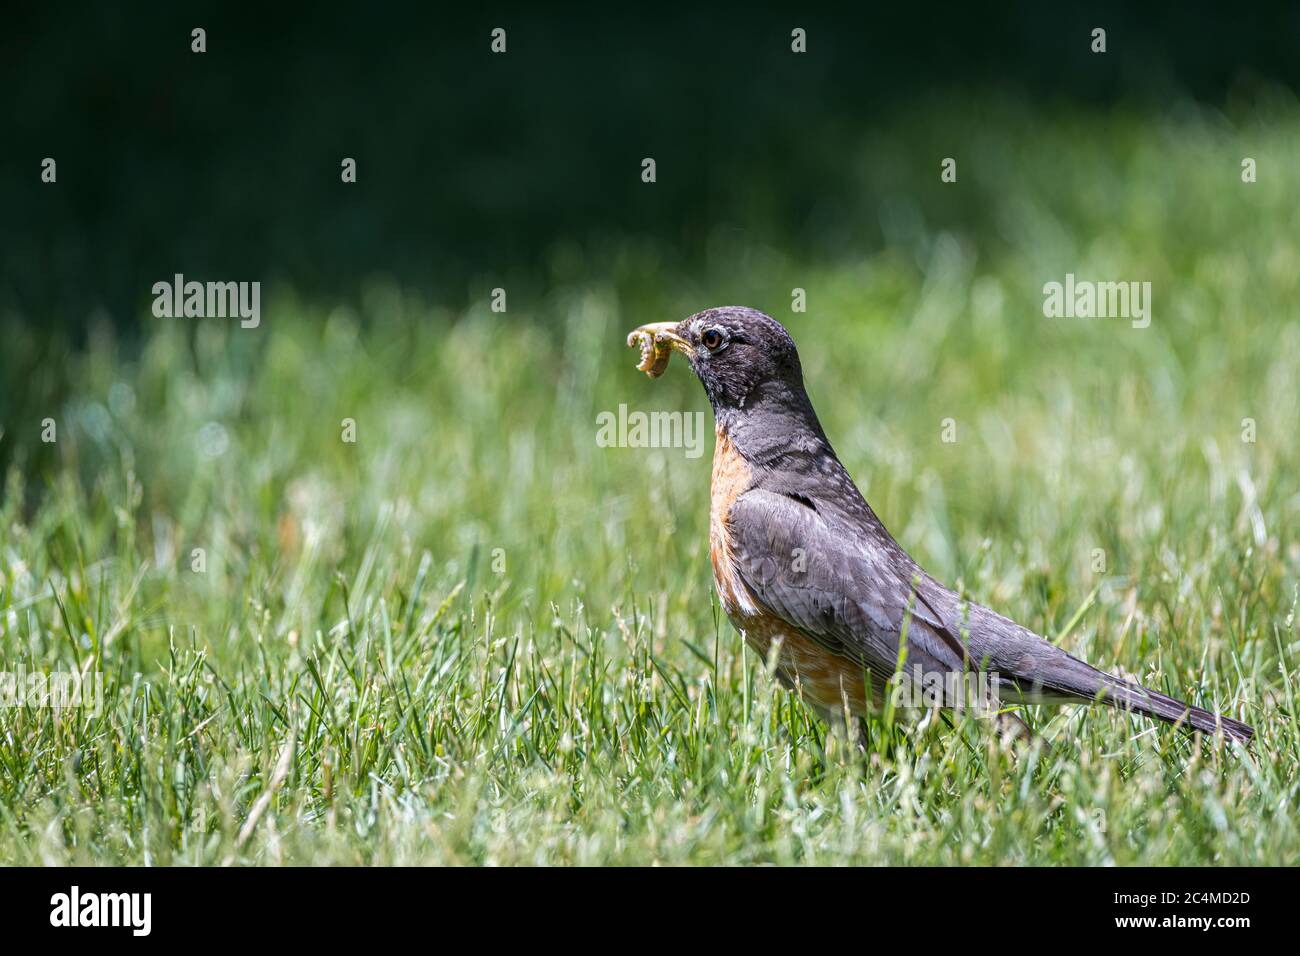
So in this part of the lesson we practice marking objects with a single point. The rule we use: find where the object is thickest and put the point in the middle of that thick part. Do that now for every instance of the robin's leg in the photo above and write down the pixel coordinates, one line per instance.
(860, 727)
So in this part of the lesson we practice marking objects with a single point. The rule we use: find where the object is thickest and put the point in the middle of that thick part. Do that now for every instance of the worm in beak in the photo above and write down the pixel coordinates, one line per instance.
(657, 341)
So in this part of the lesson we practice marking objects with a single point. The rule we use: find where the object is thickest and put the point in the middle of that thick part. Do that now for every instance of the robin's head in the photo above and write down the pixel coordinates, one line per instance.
(737, 353)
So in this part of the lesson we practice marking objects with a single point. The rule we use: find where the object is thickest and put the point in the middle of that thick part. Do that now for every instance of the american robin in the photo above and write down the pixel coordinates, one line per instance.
(802, 564)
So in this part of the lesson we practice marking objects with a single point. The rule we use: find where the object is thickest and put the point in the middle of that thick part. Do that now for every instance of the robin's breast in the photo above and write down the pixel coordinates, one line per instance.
(829, 681)
(731, 478)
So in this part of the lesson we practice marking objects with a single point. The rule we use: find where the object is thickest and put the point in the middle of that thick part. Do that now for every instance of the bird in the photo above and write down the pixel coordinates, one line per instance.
(815, 583)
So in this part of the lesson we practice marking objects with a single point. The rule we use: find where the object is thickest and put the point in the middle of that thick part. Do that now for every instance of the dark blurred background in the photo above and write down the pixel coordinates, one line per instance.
(472, 165)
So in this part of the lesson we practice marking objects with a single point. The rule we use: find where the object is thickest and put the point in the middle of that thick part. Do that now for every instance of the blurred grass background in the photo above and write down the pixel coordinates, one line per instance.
(475, 636)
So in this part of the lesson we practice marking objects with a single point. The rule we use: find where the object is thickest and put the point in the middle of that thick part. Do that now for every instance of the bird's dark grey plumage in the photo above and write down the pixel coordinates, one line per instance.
(854, 591)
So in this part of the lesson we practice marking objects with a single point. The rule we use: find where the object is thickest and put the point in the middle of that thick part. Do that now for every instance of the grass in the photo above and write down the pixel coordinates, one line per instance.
(473, 636)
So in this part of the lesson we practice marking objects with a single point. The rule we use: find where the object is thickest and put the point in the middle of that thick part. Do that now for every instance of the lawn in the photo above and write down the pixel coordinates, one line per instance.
(473, 635)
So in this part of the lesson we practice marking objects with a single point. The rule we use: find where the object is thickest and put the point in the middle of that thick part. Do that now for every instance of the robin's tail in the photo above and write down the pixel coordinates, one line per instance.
(1152, 703)
(1072, 678)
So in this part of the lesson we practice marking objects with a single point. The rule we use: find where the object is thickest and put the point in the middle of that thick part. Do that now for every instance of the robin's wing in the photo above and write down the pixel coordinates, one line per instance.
(850, 596)
(852, 592)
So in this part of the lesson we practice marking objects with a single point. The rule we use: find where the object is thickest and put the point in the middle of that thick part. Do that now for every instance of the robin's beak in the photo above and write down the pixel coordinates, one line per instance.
(657, 341)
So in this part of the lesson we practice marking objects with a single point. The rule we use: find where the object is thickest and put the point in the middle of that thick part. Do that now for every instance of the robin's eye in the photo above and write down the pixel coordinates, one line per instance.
(712, 339)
